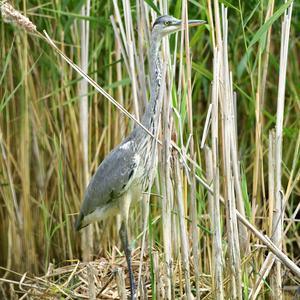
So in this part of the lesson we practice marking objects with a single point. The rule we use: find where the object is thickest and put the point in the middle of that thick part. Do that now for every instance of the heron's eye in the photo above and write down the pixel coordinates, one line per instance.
(167, 23)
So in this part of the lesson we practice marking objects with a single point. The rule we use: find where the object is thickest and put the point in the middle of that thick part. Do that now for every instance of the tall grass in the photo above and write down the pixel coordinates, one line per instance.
(55, 129)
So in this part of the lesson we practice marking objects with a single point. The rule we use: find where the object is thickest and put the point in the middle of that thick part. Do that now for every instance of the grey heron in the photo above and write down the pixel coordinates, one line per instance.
(124, 173)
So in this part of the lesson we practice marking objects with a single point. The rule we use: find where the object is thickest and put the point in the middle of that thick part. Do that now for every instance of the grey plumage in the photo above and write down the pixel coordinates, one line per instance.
(115, 176)
(124, 173)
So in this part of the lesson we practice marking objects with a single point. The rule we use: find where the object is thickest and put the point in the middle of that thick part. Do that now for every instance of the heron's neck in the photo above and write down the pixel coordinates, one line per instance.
(150, 117)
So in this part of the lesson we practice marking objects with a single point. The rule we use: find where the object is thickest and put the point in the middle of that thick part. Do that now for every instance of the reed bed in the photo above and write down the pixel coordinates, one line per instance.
(221, 220)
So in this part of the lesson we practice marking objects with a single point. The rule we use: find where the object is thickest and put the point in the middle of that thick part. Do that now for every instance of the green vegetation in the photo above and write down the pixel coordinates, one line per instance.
(43, 171)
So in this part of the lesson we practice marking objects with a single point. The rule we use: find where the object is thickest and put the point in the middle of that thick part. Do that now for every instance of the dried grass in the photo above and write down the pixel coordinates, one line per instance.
(103, 278)
(176, 271)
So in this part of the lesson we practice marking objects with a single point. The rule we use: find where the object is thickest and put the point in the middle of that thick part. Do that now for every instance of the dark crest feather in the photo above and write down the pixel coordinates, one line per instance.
(159, 20)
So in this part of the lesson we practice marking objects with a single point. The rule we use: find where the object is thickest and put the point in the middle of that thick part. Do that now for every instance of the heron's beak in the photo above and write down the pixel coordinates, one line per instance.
(192, 23)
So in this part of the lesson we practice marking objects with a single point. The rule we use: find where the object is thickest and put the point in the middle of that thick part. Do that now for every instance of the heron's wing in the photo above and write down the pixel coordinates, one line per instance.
(112, 177)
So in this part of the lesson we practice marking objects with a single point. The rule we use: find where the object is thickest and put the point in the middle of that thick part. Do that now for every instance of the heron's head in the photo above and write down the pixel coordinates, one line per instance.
(165, 25)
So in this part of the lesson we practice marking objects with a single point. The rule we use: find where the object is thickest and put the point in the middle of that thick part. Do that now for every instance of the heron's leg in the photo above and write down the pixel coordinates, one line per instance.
(125, 245)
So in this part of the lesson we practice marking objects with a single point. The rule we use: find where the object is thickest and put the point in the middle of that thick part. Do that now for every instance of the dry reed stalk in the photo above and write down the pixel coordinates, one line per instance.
(296, 211)
(211, 23)
(120, 95)
(278, 216)
(143, 35)
(158, 275)
(143, 289)
(261, 88)
(132, 57)
(210, 205)
(217, 26)
(284, 259)
(235, 290)
(166, 186)
(183, 230)
(87, 233)
(271, 178)
(193, 210)
(121, 284)
(269, 261)
(206, 126)
(133, 80)
(166, 202)
(13, 208)
(83, 89)
(243, 237)
(91, 282)
(28, 245)
(214, 211)
(118, 36)
(292, 184)
(256, 199)
(151, 180)
(121, 27)
(14, 217)
(263, 274)
(226, 98)
(294, 178)
(263, 61)
(242, 230)
(39, 168)
(173, 135)
(216, 217)
(127, 41)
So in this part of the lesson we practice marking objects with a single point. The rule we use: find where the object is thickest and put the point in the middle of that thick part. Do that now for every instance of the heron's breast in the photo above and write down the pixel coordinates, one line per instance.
(101, 213)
